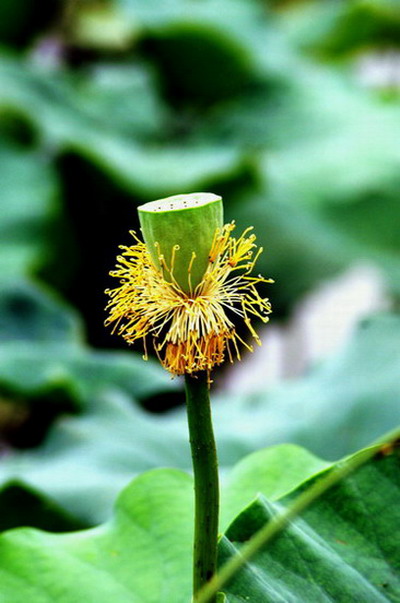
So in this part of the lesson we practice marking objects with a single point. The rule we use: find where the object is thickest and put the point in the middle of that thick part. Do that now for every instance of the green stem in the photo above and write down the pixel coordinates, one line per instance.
(205, 468)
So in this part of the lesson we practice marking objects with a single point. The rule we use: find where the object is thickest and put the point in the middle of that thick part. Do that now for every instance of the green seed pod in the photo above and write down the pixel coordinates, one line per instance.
(179, 232)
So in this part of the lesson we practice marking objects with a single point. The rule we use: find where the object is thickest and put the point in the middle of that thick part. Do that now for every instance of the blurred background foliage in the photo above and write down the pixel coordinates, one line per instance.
(288, 109)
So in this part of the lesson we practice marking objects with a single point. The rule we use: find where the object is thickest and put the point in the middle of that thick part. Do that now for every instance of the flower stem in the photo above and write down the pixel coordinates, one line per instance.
(205, 468)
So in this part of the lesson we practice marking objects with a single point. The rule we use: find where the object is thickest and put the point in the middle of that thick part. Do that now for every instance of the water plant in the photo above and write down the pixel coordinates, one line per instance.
(185, 288)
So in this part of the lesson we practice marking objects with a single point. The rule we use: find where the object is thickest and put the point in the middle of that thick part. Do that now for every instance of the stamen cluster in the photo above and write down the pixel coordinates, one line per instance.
(190, 331)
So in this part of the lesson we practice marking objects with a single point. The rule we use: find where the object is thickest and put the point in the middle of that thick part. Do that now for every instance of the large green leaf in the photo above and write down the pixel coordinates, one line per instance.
(184, 39)
(32, 313)
(63, 106)
(68, 117)
(337, 28)
(143, 554)
(328, 239)
(23, 506)
(26, 369)
(337, 408)
(126, 94)
(288, 232)
(368, 231)
(87, 459)
(343, 548)
(42, 352)
(345, 544)
(28, 210)
(341, 167)
(263, 472)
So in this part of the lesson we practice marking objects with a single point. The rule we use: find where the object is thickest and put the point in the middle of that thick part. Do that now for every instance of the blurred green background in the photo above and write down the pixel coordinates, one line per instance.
(290, 111)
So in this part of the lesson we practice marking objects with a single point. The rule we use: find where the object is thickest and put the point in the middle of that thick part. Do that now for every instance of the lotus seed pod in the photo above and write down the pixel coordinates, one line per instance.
(179, 233)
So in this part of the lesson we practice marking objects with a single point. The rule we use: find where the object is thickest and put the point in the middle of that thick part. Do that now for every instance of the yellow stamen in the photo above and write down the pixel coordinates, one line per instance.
(191, 332)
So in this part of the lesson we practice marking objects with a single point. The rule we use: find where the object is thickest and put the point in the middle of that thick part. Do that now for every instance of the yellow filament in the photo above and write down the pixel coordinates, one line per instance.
(191, 332)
